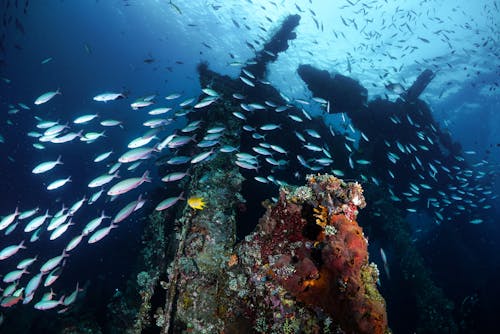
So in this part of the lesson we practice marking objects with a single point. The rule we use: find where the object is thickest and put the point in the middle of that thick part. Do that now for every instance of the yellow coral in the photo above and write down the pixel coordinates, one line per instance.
(196, 203)
(321, 215)
(233, 260)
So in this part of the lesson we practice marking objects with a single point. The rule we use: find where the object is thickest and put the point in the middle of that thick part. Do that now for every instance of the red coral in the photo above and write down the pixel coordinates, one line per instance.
(345, 251)
(351, 211)
(329, 271)
(280, 225)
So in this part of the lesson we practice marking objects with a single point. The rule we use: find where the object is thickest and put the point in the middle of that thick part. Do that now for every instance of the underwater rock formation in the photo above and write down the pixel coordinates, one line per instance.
(307, 264)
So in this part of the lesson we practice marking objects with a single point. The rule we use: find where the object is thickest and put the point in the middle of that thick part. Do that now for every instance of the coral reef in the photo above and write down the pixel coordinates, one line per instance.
(304, 270)
(310, 276)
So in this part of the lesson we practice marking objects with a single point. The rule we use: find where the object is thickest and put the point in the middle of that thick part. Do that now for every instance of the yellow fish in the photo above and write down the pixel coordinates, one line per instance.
(196, 203)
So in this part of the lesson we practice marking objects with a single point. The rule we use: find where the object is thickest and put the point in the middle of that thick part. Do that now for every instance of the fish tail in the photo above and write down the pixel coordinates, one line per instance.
(145, 177)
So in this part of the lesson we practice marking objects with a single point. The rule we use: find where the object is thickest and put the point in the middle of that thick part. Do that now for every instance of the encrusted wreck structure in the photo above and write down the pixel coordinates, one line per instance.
(304, 268)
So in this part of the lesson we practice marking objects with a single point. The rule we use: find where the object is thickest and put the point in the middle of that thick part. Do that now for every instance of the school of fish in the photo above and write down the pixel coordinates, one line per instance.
(130, 168)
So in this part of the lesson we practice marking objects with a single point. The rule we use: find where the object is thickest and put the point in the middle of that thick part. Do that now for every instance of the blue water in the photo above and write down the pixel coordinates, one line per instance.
(102, 46)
